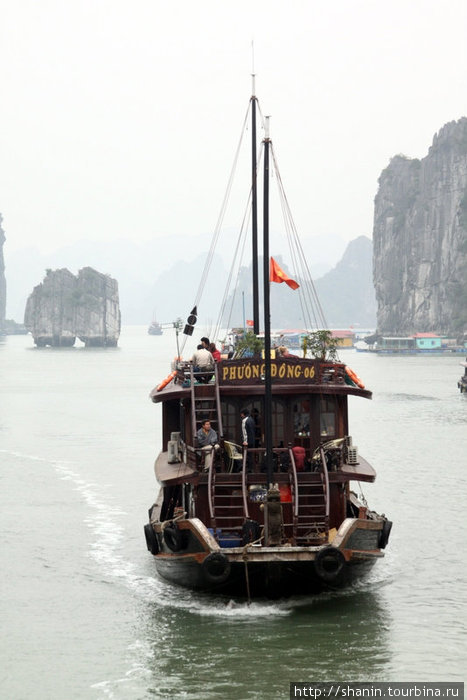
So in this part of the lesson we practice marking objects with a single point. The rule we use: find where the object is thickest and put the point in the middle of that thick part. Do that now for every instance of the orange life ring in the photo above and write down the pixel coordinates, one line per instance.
(166, 381)
(356, 380)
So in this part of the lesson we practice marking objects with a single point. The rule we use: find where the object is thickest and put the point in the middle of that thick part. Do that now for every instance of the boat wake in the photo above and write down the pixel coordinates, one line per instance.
(109, 537)
(103, 518)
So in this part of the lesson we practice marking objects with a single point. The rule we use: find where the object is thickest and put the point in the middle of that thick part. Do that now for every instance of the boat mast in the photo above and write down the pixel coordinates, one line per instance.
(254, 212)
(267, 314)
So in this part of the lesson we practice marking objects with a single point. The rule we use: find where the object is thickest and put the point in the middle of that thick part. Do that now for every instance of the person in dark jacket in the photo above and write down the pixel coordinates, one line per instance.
(248, 434)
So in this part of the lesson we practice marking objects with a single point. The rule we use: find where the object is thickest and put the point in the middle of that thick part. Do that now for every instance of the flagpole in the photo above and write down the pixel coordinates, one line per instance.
(267, 315)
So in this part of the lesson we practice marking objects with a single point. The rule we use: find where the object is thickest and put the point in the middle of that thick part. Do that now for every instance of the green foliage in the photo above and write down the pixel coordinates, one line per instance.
(250, 344)
(321, 345)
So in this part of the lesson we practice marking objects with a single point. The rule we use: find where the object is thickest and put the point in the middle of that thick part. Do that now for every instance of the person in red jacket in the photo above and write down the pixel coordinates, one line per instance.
(214, 352)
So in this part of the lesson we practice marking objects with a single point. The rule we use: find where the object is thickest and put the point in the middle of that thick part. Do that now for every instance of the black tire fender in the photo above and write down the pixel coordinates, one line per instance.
(329, 563)
(151, 539)
(384, 534)
(173, 537)
(216, 567)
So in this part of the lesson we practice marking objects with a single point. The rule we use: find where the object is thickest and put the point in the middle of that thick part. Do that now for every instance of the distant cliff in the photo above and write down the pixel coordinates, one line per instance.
(64, 307)
(420, 239)
(346, 292)
(2, 280)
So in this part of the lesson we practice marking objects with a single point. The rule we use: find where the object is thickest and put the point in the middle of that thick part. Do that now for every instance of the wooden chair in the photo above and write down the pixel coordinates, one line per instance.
(234, 456)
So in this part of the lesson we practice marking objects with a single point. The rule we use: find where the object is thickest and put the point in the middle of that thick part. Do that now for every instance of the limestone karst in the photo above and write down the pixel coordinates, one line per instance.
(66, 306)
(420, 239)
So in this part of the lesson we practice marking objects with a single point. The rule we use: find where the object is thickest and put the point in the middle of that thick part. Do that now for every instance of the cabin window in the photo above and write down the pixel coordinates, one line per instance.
(328, 418)
(256, 413)
(232, 423)
(301, 417)
(230, 420)
(278, 423)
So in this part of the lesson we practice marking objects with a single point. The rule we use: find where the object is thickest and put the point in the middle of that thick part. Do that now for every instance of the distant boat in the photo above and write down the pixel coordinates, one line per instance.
(272, 515)
(416, 344)
(155, 328)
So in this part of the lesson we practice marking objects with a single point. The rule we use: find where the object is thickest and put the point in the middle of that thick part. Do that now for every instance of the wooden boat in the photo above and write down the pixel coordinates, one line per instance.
(278, 518)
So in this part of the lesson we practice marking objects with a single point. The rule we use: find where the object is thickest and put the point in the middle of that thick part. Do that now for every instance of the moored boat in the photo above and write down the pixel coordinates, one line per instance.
(267, 508)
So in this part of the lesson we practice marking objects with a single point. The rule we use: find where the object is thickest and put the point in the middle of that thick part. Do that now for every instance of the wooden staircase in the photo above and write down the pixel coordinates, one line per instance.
(205, 403)
(228, 503)
(311, 517)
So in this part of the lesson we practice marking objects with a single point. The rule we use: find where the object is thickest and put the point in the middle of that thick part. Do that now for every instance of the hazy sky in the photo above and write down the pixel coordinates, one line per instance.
(120, 119)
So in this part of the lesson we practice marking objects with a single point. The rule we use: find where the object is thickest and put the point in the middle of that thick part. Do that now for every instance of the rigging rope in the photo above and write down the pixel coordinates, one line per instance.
(219, 220)
(310, 305)
(225, 321)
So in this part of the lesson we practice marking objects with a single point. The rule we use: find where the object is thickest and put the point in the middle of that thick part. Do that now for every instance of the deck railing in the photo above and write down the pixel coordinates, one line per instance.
(326, 484)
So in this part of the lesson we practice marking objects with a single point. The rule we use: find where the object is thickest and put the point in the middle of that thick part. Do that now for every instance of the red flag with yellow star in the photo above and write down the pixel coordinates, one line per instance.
(277, 274)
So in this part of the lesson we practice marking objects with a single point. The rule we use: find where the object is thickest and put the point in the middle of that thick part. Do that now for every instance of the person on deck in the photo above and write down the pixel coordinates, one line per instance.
(207, 441)
(283, 351)
(203, 361)
(248, 433)
(214, 352)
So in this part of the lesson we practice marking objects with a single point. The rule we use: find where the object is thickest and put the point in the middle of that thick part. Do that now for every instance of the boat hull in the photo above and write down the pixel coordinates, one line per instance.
(267, 579)
(187, 554)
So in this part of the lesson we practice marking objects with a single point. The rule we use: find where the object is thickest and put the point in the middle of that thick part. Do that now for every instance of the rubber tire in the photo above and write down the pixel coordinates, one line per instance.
(329, 564)
(151, 539)
(216, 567)
(173, 537)
(384, 534)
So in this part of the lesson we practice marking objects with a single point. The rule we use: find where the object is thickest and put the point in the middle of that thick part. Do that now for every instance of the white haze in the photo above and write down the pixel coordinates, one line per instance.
(119, 120)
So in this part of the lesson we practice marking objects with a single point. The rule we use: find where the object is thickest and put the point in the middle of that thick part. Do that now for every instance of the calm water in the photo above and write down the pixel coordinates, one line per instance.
(83, 614)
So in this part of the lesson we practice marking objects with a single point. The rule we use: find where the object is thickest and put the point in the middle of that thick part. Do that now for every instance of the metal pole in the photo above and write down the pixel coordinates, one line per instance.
(267, 316)
(254, 214)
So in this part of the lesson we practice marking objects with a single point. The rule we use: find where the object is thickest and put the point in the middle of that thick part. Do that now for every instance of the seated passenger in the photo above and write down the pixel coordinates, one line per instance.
(203, 361)
(214, 352)
(283, 351)
(207, 441)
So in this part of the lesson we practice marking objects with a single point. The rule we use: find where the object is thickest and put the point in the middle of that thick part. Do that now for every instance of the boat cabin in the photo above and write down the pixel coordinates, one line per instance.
(309, 427)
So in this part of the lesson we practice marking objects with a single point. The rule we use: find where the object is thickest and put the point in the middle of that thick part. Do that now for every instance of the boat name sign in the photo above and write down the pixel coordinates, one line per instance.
(252, 372)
